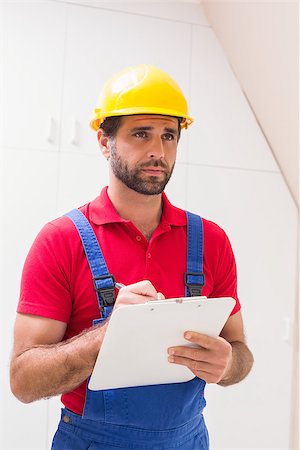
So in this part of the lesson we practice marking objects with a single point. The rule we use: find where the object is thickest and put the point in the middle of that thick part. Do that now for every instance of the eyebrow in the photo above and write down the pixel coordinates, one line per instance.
(145, 128)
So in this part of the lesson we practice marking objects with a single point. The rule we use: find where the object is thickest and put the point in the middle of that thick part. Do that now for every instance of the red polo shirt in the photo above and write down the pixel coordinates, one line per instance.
(57, 282)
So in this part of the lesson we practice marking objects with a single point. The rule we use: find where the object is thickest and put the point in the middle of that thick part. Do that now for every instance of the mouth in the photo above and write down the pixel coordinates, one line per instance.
(154, 172)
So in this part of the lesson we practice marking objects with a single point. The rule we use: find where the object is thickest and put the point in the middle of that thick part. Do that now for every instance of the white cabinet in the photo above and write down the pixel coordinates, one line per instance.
(29, 201)
(33, 53)
(176, 188)
(81, 178)
(225, 130)
(54, 406)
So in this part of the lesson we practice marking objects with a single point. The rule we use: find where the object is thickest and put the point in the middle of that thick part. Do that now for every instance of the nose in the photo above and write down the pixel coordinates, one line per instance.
(156, 148)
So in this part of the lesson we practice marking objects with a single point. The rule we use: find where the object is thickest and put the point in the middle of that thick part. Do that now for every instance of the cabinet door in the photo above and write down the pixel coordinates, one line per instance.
(254, 414)
(100, 43)
(225, 129)
(29, 201)
(33, 66)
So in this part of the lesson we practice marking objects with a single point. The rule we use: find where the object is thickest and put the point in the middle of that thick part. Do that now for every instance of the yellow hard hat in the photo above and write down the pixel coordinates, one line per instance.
(142, 89)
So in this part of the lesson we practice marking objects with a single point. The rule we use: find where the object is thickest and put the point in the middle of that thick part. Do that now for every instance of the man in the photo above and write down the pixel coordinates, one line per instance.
(143, 239)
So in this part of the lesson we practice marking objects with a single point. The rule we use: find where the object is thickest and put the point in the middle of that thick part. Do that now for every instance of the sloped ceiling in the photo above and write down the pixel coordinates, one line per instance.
(261, 40)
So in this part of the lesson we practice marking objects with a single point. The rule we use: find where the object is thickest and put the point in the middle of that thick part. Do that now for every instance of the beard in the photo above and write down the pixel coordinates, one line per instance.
(133, 178)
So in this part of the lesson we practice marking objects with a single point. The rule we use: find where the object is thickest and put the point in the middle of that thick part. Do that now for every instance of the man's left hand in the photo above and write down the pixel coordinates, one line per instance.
(210, 359)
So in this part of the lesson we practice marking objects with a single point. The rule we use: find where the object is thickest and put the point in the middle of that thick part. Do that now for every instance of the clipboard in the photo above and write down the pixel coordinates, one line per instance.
(134, 349)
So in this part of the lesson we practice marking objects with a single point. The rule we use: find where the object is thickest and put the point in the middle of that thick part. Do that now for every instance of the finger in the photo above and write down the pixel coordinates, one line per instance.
(128, 298)
(200, 369)
(136, 293)
(144, 288)
(160, 296)
(206, 376)
(203, 340)
(191, 364)
(131, 299)
(194, 353)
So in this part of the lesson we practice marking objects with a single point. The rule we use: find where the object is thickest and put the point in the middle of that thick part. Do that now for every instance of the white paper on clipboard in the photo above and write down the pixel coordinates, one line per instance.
(134, 349)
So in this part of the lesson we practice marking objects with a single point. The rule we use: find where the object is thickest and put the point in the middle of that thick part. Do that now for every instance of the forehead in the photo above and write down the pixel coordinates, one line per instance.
(149, 120)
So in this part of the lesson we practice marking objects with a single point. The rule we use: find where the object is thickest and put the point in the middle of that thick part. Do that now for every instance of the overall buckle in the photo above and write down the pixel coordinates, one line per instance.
(194, 288)
(107, 293)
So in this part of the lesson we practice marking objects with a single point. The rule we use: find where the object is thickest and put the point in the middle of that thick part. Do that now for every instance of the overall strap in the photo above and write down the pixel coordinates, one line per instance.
(194, 276)
(104, 282)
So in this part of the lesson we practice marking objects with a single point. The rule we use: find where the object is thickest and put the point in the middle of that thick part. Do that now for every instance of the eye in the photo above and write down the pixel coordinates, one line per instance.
(168, 137)
(141, 134)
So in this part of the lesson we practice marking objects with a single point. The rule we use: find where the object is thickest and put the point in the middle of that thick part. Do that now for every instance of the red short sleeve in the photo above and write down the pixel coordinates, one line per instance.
(45, 289)
(225, 277)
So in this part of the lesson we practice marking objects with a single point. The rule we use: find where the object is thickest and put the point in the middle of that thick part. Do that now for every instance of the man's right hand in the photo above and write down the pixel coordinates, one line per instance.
(39, 350)
(137, 293)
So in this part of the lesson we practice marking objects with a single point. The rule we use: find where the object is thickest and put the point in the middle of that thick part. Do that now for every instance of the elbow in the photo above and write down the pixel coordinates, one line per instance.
(20, 393)
(23, 398)
(19, 389)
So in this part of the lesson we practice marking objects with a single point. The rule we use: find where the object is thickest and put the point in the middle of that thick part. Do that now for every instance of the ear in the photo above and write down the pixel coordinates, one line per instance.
(103, 143)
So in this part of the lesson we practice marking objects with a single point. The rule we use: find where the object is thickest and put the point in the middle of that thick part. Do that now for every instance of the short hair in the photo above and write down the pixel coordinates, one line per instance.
(111, 125)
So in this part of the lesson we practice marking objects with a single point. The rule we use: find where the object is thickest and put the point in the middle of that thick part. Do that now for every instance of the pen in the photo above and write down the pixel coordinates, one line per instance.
(119, 285)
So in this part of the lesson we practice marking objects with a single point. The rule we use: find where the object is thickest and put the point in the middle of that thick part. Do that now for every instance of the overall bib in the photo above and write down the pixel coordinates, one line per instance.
(165, 416)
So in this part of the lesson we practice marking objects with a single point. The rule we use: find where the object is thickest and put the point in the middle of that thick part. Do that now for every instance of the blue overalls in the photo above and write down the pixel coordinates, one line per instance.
(165, 416)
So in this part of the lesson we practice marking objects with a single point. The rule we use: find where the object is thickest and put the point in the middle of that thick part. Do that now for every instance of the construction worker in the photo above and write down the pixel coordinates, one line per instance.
(68, 283)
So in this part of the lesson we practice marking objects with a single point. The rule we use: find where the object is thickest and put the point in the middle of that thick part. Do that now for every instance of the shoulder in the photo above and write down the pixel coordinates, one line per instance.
(217, 246)
(61, 226)
(216, 241)
(213, 230)
(215, 237)
(58, 236)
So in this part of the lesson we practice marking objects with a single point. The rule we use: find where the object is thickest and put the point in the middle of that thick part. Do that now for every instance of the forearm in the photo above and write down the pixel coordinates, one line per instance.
(49, 370)
(241, 364)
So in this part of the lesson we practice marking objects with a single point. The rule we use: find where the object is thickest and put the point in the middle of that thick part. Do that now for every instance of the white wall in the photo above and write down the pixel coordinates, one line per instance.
(225, 171)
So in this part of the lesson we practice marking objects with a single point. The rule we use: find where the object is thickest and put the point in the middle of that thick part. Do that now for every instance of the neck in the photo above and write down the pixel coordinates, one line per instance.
(142, 210)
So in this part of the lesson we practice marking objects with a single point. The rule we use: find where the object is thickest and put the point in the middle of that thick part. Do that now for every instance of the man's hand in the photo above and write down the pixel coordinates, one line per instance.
(136, 293)
(210, 359)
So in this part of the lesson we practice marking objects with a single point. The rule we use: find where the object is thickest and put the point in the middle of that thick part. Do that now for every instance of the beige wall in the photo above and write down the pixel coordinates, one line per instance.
(261, 40)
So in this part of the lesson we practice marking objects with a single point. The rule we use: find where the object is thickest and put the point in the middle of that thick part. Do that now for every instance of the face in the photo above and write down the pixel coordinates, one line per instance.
(143, 153)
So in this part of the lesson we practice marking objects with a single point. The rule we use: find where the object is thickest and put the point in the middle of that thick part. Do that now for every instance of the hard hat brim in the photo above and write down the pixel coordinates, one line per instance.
(100, 116)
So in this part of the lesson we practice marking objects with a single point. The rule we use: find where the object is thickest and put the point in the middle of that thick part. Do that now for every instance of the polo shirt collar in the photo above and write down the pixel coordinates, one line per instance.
(102, 211)
(171, 214)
